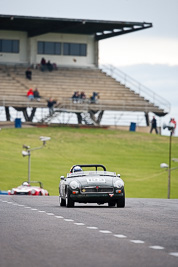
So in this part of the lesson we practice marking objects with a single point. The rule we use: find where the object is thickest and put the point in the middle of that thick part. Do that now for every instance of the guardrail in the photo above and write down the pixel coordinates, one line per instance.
(137, 87)
(67, 105)
(17, 101)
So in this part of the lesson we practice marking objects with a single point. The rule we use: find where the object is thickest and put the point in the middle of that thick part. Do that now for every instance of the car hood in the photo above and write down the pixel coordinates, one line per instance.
(95, 180)
(25, 188)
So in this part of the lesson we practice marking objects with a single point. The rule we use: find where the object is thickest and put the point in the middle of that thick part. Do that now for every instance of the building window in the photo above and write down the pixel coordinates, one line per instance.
(73, 49)
(9, 46)
(49, 48)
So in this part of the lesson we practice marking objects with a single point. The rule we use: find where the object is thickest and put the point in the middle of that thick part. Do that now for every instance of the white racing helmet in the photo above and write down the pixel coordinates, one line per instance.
(77, 169)
(25, 184)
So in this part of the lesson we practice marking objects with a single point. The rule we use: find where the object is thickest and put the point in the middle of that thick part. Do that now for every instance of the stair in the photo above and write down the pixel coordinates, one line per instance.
(60, 85)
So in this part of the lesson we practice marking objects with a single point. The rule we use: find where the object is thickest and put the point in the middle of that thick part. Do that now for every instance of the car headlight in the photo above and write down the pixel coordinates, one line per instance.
(12, 192)
(74, 185)
(33, 191)
(118, 183)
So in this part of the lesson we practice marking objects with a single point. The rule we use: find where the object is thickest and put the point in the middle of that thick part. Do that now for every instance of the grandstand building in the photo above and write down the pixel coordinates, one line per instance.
(71, 45)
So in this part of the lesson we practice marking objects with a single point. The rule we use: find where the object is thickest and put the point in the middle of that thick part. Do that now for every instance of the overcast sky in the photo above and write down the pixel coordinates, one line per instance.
(134, 52)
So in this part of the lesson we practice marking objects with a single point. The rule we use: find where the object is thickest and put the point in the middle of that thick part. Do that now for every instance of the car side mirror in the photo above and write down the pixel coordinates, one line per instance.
(62, 177)
(118, 175)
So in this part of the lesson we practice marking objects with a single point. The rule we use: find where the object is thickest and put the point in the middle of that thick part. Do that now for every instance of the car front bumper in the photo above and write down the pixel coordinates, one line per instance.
(96, 198)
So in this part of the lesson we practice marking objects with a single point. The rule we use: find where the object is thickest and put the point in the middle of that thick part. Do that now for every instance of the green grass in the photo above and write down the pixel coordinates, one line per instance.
(136, 156)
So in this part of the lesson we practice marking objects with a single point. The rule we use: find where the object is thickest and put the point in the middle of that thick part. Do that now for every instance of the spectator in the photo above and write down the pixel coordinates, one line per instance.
(36, 94)
(172, 120)
(50, 103)
(30, 94)
(49, 65)
(54, 66)
(43, 64)
(94, 97)
(82, 96)
(76, 97)
(43, 61)
(28, 74)
(154, 125)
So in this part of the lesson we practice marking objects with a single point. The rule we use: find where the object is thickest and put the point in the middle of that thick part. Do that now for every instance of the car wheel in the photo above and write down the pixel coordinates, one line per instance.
(62, 202)
(69, 201)
(121, 202)
(111, 204)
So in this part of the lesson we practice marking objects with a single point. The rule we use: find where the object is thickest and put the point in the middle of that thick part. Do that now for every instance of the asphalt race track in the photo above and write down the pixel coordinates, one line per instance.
(36, 231)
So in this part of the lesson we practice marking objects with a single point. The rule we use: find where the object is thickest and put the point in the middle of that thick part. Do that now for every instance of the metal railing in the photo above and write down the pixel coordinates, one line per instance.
(67, 105)
(137, 87)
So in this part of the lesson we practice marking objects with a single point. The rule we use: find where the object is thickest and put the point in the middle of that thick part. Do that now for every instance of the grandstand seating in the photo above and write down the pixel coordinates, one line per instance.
(60, 85)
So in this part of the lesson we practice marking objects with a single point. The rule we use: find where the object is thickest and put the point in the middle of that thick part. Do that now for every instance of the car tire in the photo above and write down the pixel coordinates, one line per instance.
(121, 202)
(69, 201)
(111, 204)
(62, 202)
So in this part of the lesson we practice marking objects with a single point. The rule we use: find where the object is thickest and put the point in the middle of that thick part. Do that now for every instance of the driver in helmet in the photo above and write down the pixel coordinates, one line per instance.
(25, 184)
(76, 169)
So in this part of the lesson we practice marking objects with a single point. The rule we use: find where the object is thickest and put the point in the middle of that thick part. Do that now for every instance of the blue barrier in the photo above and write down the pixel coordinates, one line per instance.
(132, 126)
(3, 192)
(18, 123)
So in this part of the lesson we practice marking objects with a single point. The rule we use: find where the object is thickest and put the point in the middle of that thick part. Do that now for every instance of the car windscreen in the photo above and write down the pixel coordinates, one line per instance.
(91, 173)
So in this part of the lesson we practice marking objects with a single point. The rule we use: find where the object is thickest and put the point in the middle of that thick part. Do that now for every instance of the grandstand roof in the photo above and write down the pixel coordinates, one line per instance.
(101, 29)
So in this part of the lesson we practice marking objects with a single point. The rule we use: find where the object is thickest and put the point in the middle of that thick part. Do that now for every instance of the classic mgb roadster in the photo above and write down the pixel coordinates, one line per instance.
(91, 186)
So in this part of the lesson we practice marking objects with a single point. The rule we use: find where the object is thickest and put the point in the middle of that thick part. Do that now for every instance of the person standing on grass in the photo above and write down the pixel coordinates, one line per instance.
(172, 120)
(154, 125)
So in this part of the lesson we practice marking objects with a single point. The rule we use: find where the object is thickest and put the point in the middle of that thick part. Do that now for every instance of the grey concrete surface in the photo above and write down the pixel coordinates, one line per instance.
(37, 231)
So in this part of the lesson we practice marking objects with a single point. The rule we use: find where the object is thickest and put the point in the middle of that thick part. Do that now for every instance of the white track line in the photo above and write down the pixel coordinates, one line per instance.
(156, 247)
(50, 214)
(137, 241)
(59, 217)
(79, 224)
(175, 254)
(105, 232)
(121, 236)
(92, 227)
(68, 220)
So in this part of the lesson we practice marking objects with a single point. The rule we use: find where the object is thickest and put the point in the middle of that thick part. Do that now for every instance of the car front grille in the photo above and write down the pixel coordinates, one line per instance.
(96, 189)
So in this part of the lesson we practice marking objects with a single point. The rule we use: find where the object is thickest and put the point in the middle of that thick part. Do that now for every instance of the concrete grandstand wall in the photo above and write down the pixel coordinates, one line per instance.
(15, 58)
(28, 53)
